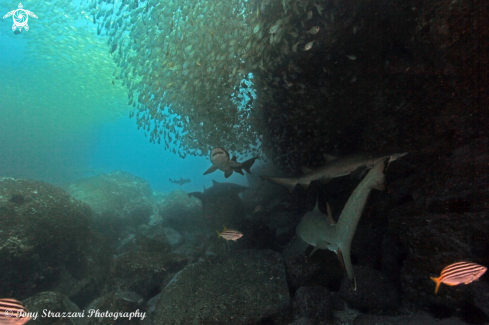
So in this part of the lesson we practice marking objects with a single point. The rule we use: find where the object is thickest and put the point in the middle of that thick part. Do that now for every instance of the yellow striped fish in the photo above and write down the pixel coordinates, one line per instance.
(461, 272)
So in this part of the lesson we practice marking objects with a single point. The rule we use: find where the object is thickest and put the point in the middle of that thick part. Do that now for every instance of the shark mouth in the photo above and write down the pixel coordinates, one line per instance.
(219, 152)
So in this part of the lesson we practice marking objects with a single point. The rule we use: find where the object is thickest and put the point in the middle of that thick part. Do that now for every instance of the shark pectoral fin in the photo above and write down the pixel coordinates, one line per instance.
(359, 173)
(228, 173)
(345, 256)
(288, 183)
(210, 170)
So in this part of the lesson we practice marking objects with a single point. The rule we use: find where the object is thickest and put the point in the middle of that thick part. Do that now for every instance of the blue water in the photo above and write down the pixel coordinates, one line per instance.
(62, 119)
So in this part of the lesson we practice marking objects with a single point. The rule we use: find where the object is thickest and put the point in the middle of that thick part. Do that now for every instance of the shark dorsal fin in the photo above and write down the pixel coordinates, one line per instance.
(234, 158)
(214, 183)
(316, 208)
(329, 158)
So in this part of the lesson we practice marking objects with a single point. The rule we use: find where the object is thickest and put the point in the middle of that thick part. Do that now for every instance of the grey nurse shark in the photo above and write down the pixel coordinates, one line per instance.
(319, 230)
(220, 160)
(335, 167)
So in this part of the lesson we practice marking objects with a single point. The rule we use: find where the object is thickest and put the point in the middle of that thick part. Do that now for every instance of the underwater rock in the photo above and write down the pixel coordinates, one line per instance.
(419, 317)
(119, 199)
(322, 268)
(143, 272)
(46, 241)
(446, 221)
(302, 321)
(54, 302)
(374, 293)
(178, 211)
(245, 288)
(120, 303)
(315, 303)
(174, 237)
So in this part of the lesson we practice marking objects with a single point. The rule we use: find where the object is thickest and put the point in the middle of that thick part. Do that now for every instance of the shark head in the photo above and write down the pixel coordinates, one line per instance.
(219, 156)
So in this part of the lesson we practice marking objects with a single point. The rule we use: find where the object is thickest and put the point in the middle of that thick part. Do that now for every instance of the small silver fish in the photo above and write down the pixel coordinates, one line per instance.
(351, 57)
(275, 26)
(319, 8)
(294, 47)
(308, 46)
(313, 30)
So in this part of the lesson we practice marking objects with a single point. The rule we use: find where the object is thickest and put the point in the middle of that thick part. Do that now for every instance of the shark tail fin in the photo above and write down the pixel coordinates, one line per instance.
(345, 261)
(288, 183)
(246, 165)
(437, 281)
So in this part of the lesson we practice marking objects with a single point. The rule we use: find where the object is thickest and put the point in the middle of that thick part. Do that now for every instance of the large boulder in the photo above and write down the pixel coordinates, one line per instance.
(245, 288)
(119, 199)
(46, 242)
(446, 221)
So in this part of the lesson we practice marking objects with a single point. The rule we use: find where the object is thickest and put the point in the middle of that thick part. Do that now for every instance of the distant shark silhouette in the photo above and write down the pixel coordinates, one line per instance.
(320, 231)
(335, 167)
(181, 181)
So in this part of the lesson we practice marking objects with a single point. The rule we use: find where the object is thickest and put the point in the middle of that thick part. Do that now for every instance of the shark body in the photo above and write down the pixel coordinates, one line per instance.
(218, 190)
(335, 167)
(180, 181)
(317, 230)
(220, 160)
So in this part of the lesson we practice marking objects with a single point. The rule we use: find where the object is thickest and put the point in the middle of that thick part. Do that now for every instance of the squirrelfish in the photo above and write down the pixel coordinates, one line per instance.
(13, 312)
(229, 234)
(457, 273)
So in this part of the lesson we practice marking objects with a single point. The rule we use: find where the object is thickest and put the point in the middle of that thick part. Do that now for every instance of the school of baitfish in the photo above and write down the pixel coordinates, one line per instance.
(190, 67)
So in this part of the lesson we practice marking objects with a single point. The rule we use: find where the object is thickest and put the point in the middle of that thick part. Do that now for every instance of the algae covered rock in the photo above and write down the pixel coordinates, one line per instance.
(144, 272)
(118, 199)
(46, 242)
(245, 288)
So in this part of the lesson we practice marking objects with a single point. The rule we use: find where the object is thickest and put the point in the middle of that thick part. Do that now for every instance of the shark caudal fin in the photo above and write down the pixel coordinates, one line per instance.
(288, 183)
(343, 254)
(247, 164)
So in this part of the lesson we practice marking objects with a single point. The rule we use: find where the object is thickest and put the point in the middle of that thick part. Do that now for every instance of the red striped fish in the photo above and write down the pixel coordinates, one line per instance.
(229, 234)
(13, 312)
(461, 272)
